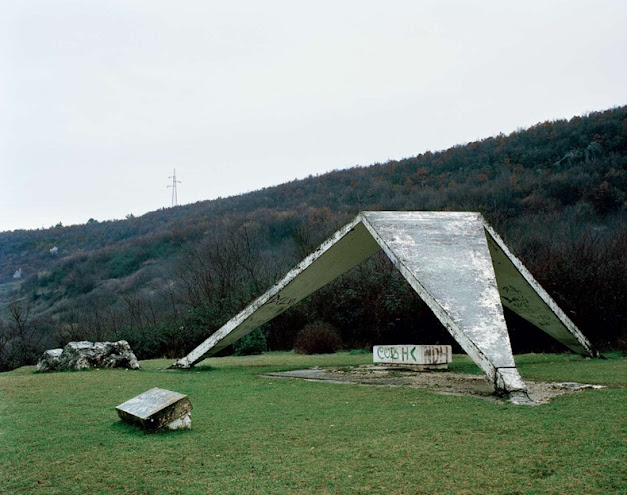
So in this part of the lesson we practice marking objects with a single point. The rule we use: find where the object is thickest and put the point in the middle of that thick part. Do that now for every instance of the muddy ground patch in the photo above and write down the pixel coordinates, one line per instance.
(440, 382)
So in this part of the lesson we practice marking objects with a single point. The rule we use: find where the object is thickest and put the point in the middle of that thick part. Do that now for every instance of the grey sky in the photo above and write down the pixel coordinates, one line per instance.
(101, 99)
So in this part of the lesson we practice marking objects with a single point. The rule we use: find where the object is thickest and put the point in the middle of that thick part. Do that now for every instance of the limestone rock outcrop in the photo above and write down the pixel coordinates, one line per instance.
(84, 354)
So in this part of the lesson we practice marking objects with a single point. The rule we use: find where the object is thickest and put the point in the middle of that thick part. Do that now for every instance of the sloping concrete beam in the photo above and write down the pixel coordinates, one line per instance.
(522, 293)
(347, 248)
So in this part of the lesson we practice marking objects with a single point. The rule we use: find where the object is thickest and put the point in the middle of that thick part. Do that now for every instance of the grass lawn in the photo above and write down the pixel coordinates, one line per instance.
(60, 434)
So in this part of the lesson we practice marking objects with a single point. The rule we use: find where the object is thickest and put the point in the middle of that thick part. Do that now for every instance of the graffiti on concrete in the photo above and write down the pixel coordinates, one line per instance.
(413, 354)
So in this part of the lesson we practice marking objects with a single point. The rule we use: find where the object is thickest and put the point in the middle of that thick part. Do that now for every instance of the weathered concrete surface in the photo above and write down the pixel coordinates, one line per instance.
(427, 356)
(447, 258)
(82, 355)
(157, 409)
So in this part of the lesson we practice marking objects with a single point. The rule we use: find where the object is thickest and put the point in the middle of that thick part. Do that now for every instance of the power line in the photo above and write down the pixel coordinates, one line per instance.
(173, 186)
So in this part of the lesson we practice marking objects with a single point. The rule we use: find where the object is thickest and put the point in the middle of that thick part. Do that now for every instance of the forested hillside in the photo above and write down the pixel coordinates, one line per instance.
(164, 281)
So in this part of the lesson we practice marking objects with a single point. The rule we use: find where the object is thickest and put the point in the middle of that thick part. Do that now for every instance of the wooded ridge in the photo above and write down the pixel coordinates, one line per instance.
(165, 280)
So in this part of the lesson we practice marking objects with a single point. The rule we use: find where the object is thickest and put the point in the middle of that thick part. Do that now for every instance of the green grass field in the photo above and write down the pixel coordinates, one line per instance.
(60, 434)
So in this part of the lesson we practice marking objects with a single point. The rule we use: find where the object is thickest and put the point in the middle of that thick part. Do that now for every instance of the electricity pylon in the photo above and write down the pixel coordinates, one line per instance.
(173, 186)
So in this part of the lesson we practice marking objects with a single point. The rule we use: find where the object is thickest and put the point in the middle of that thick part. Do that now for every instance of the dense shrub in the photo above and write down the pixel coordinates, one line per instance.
(253, 343)
(318, 338)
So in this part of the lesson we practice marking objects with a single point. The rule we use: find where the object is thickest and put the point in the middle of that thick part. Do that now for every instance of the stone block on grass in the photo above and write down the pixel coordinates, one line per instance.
(157, 409)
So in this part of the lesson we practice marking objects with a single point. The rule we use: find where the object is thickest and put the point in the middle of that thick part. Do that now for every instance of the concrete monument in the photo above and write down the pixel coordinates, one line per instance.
(458, 265)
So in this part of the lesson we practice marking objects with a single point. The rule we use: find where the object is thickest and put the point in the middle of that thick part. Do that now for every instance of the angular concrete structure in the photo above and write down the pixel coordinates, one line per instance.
(457, 264)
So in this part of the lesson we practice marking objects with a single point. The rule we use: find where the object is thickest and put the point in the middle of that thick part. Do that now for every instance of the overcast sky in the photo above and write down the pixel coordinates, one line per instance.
(101, 99)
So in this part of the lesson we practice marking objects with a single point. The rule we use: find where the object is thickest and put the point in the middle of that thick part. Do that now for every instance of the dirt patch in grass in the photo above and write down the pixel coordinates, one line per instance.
(440, 382)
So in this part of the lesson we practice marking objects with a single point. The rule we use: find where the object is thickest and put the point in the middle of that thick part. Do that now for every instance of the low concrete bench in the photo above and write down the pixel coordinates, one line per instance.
(418, 356)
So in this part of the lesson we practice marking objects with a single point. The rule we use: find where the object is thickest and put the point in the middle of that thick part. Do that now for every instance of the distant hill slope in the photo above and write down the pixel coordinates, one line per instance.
(551, 190)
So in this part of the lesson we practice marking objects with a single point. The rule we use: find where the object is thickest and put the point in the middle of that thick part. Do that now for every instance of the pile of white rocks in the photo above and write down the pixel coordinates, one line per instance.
(83, 355)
